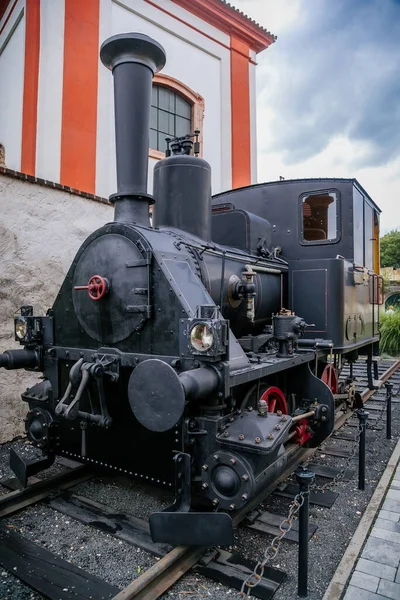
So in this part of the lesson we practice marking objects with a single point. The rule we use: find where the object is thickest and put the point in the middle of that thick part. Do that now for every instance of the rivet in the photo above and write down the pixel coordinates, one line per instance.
(233, 461)
(204, 486)
(232, 506)
(245, 477)
(241, 436)
(244, 497)
(257, 440)
(216, 457)
(204, 468)
(270, 436)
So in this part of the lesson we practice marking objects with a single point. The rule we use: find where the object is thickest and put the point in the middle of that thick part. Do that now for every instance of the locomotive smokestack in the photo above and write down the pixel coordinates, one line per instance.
(133, 59)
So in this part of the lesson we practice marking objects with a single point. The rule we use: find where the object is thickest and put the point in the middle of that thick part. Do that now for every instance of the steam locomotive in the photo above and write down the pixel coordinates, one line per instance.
(193, 353)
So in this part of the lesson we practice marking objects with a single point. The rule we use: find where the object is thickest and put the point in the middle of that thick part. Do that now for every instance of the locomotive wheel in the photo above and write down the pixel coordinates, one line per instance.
(256, 393)
(276, 400)
(329, 376)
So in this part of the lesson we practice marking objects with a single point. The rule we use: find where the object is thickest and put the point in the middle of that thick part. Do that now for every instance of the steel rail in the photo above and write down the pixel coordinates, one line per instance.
(161, 576)
(367, 393)
(16, 500)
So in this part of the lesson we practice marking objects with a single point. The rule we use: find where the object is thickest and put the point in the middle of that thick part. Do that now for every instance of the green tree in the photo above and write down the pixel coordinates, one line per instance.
(390, 249)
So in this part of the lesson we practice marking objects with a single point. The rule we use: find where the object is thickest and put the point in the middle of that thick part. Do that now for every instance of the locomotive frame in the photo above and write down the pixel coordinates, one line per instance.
(191, 353)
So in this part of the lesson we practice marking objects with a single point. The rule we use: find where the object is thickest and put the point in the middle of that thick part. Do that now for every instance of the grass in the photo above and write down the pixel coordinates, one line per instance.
(390, 333)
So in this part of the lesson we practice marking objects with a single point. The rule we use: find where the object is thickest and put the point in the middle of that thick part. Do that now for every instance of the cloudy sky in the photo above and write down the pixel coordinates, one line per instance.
(328, 94)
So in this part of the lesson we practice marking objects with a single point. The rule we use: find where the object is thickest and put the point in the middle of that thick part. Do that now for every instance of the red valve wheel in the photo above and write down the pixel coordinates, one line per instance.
(276, 400)
(97, 287)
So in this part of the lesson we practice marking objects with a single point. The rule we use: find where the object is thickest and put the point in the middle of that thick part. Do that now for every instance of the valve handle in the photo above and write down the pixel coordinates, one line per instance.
(97, 287)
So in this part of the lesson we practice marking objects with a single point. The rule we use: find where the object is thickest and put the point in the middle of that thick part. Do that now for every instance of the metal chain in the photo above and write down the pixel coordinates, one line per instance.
(380, 416)
(272, 550)
(326, 486)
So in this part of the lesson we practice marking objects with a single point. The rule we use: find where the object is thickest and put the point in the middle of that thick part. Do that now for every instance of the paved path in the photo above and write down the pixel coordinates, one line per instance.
(377, 573)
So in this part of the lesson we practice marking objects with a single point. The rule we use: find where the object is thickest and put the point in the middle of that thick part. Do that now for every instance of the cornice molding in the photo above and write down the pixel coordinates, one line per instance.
(228, 19)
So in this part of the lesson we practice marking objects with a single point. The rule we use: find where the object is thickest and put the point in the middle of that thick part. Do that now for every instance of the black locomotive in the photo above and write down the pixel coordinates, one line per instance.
(195, 352)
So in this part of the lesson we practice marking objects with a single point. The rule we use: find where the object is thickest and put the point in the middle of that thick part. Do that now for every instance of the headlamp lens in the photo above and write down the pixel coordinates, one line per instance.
(201, 337)
(21, 328)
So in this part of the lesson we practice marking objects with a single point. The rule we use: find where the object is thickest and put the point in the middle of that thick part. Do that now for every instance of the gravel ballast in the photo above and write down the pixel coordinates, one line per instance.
(119, 563)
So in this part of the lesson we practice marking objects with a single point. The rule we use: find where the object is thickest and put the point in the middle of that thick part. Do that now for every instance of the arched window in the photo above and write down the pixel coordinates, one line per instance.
(170, 116)
(176, 110)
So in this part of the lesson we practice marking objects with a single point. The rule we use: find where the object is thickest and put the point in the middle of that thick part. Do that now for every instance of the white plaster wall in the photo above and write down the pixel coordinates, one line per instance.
(200, 63)
(40, 232)
(12, 49)
(51, 68)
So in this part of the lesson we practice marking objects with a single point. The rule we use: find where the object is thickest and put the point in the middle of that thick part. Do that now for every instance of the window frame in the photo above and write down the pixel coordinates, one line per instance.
(324, 192)
(195, 100)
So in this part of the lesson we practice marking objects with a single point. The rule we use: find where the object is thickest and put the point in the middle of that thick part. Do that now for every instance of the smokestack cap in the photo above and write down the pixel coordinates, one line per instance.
(132, 47)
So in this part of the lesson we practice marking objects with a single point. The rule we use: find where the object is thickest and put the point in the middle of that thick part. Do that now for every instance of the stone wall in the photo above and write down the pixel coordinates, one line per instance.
(41, 229)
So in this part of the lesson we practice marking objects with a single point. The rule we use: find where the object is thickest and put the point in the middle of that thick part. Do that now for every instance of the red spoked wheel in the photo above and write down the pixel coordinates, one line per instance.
(276, 400)
(97, 287)
(329, 376)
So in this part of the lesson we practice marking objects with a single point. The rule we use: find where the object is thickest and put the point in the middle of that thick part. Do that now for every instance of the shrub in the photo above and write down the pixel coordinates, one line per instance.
(390, 333)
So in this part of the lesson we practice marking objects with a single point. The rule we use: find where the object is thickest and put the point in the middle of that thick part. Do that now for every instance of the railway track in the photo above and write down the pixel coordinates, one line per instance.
(173, 563)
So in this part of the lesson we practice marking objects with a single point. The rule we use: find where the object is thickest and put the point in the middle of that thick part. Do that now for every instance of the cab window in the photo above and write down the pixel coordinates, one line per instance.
(319, 214)
(358, 227)
(365, 233)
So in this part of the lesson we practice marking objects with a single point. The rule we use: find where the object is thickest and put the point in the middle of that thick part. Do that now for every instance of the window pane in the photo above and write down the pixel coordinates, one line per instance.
(153, 139)
(162, 144)
(358, 228)
(165, 99)
(154, 94)
(182, 126)
(170, 116)
(320, 217)
(369, 237)
(183, 107)
(153, 118)
(163, 121)
(171, 125)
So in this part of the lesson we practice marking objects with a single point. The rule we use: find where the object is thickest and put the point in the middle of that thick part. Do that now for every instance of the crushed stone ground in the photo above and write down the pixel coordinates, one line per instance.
(118, 563)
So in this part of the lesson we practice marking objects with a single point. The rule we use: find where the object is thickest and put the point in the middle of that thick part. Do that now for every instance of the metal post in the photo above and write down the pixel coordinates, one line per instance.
(369, 368)
(389, 390)
(376, 372)
(351, 369)
(362, 418)
(304, 478)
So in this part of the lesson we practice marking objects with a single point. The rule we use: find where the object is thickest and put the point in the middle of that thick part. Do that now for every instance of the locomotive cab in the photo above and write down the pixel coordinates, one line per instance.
(328, 232)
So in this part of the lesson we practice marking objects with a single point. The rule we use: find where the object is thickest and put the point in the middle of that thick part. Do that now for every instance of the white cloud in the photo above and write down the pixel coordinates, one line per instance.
(275, 15)
(341, 131)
